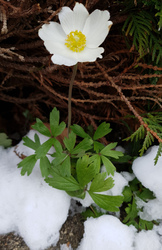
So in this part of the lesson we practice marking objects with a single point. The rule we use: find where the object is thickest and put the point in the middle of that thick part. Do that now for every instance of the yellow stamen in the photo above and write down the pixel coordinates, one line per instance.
(76, 41)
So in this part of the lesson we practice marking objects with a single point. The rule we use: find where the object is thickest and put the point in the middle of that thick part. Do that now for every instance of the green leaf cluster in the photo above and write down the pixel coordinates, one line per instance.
(41, 150)
(101, 154)
(75, 167)
(130, 193)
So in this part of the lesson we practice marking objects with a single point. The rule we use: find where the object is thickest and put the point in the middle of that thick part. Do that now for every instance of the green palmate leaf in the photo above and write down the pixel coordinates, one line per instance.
(44, 148)
(110, 168)
(41, 128)
(78, 130)
(79, 193)
(134, 185)
(111, 153)
(109, 146)
(58, 158)
(56, 128)
(96, 159)
(98, 146)
(59, 129)
(31, 144)
(37, 140)
(131, 211)
(145, 225)
(124, 159)
(146, 195)
(70, 141)
(57, 145)
(45, 166)
(65, 167)
(99, 184)
(102, 130)
(61, 182)
(84, 145)
(54, 120)
(127, 194)
(85, 171)
(63, 161)
(27, 164)
(109, 203)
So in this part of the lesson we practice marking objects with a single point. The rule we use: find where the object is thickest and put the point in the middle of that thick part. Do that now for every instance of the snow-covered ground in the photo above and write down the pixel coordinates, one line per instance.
(37, 211)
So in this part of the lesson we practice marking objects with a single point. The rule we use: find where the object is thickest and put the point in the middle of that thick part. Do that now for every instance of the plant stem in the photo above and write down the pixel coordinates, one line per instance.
(70, 95)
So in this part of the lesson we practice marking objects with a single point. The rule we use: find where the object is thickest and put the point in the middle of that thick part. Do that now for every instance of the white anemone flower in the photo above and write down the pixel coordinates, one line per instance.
(77, 37)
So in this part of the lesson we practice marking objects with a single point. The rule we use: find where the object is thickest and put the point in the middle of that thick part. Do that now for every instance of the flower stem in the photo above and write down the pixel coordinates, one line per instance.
(70, 95)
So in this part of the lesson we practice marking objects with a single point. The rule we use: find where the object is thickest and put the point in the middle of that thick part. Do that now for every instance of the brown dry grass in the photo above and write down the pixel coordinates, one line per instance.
(30, 81)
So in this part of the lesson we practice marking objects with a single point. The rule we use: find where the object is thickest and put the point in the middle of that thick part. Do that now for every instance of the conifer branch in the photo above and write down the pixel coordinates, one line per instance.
(123, 97)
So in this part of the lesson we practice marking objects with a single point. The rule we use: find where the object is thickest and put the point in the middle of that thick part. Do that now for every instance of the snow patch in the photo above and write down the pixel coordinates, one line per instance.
(107, 232)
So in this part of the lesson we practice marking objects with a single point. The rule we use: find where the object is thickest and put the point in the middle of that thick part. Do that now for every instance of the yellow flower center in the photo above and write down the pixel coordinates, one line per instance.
(76, 41)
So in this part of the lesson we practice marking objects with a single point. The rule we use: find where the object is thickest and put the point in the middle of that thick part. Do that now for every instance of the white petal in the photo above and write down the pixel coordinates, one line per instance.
(66, 18)
(73, 20)
(90, 55)
(59, 49)
(96, 28)
(80, 16)
(61, 60)
(52, 31)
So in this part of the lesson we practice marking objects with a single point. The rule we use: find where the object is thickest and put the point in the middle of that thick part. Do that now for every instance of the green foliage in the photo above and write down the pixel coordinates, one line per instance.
(131, 193)
(91, 212)
(75, 167)
(102, 130)
(32, 144)
(159, 152)
(143, 24)
(138, 134)
(56, 127)
(157, 5)
(139, 26)
(41, 128)
(57, 180)
(100, 183)
(27, 164)
(155, 47)
(45, 166)
(154, 122)
(43, 149)
(85, 170)
(149, 139)
(4, 141)
(110, 203)
(78, 130)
